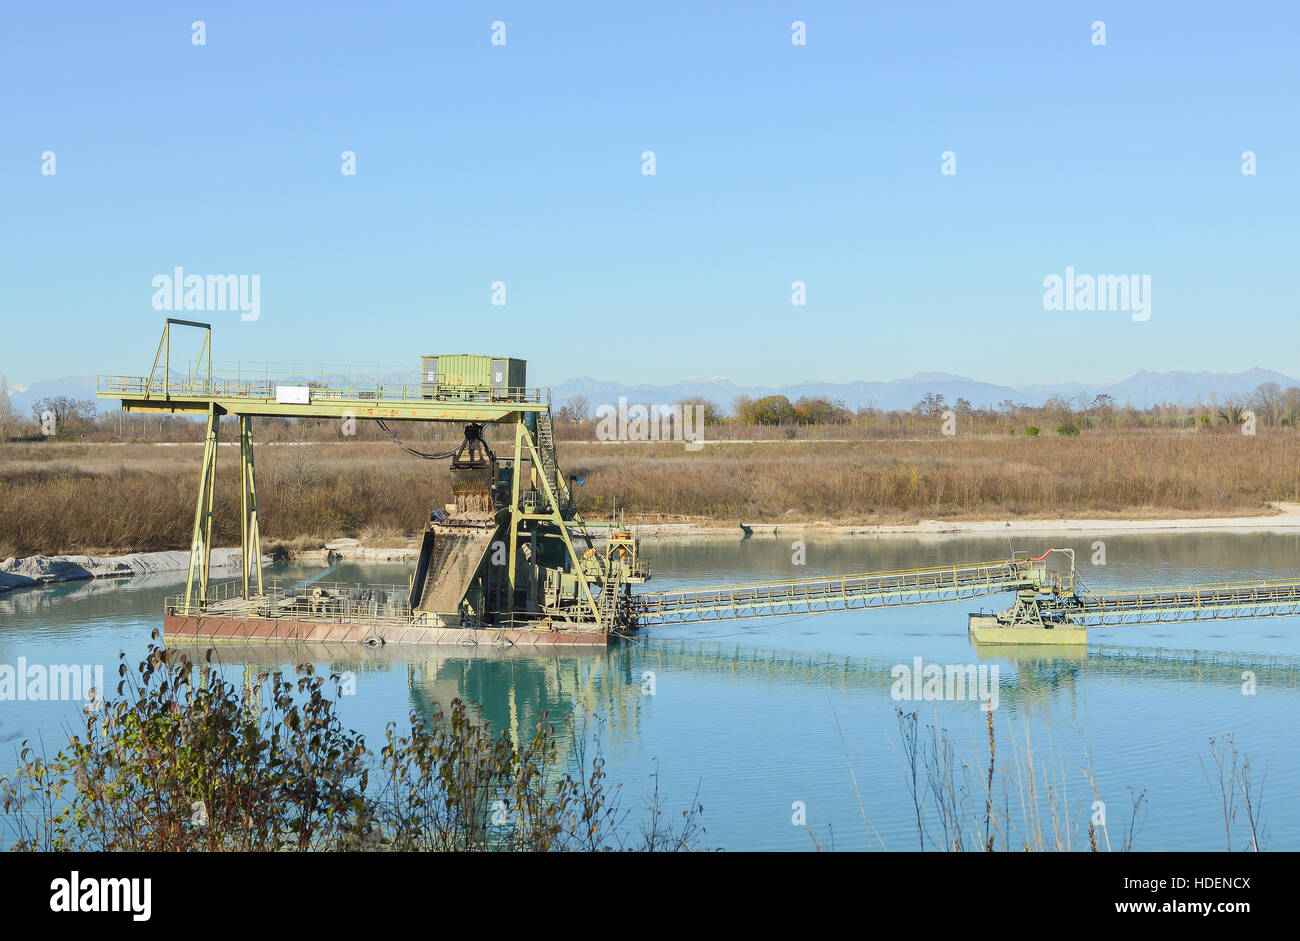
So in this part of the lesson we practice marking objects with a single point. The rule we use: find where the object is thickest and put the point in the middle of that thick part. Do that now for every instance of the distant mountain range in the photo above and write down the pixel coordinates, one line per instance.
(78, 387)
(1141, 390)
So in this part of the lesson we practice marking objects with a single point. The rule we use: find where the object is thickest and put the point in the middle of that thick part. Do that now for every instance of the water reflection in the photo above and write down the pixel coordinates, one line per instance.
(515, 687)
(1130, 559)
(758, 714)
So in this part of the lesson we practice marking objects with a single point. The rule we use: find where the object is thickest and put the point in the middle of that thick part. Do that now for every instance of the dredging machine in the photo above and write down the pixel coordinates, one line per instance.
(511, 561)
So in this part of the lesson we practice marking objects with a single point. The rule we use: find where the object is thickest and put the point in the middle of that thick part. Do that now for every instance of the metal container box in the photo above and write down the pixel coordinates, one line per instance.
(509, 377)
(466, 374)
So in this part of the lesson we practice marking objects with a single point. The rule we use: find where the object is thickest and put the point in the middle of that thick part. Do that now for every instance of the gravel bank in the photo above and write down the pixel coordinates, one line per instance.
(50, 569)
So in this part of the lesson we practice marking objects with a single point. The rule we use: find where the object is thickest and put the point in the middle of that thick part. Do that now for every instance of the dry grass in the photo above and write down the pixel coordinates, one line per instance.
(1172, 474)
(1034, 802)
(59, 497)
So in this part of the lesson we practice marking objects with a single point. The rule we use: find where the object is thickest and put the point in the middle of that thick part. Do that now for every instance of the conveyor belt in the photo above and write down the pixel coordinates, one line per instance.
(1214, 601)
(834, 593)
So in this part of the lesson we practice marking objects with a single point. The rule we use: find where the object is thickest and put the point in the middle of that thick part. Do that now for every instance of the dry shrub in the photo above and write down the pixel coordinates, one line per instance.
(94, 498)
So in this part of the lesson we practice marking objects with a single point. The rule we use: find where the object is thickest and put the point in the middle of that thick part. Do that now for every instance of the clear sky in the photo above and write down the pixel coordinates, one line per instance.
(774, 163)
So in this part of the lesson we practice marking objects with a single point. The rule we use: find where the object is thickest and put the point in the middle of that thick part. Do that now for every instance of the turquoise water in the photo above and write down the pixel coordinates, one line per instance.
(758, 717)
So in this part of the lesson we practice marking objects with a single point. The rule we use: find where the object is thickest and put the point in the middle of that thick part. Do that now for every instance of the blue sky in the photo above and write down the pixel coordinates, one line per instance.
(775, 163)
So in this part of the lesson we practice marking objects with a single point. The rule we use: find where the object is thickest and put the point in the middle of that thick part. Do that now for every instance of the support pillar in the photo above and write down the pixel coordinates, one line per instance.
(549, 488)
(201, 538)
(250, 533)
(514, 514)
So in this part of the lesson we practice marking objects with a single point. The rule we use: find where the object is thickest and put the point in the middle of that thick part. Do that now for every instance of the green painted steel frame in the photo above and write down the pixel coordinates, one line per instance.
(210, 399)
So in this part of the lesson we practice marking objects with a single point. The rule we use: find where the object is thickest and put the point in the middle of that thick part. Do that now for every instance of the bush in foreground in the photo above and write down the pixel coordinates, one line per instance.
(183, 760)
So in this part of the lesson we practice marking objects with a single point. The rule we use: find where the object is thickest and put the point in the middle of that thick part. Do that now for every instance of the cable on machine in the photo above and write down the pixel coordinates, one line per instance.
(437, 456)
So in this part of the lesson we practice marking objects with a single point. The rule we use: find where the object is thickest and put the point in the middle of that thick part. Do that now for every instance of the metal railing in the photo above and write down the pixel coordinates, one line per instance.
(318, 601)
(325, 602)
(264, 390)
(837, 592)
(1212, 601)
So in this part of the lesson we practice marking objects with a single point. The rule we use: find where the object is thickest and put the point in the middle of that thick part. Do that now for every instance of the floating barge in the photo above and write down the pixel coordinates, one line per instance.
(213, 626)
(336, 613)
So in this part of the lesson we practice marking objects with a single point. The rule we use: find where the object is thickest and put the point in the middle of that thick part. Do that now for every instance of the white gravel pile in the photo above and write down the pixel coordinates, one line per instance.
(49, 569)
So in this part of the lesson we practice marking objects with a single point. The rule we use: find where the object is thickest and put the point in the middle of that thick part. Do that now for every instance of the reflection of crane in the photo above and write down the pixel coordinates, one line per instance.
(515, 685)
(1035, 670)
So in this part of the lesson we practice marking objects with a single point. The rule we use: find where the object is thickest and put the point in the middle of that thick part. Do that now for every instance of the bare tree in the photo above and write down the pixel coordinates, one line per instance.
(71, 416)
(931, 403)
(1059, 409)
(705, 407)
(7, 421)
(1291, 405)
(576, 408)
(1267, 398)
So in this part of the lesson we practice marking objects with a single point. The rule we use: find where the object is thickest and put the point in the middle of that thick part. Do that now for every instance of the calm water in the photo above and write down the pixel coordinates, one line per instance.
(758, 715)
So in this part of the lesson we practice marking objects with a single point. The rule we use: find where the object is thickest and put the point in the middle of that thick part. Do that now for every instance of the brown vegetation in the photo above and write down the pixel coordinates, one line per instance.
(58, 496)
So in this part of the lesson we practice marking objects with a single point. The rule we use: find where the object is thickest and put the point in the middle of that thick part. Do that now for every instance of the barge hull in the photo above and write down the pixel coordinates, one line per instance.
(286, 630)
(987, 630)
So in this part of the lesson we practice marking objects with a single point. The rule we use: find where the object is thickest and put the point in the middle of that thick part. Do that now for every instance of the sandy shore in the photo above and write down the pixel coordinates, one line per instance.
(1285, 517)
(45, 570)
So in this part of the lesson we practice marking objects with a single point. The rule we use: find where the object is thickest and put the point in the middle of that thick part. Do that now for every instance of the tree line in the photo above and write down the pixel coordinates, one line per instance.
(1269, 405)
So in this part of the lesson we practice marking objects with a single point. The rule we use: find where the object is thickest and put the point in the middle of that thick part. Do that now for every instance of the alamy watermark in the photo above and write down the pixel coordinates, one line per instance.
(181, 291)
(1126, 292)
(65, 682)
(103, 894)
(681, 422)
(930, 682)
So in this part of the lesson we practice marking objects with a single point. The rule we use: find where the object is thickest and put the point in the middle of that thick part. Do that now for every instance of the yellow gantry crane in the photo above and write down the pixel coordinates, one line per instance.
(502, 558)
(521, 503)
